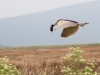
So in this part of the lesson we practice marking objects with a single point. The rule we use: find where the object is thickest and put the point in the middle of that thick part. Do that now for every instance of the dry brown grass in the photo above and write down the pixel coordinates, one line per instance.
(45, 61)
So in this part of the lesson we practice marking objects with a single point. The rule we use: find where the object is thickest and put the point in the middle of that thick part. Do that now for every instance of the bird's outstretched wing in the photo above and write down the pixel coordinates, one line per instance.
(69, 31)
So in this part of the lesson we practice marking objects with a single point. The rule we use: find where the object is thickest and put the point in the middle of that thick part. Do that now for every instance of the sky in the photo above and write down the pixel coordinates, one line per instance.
(26, 30)
(12, 8)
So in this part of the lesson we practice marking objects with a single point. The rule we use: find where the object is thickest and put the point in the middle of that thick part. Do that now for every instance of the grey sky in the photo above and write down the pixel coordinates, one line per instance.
(34, 29)
(10, 8)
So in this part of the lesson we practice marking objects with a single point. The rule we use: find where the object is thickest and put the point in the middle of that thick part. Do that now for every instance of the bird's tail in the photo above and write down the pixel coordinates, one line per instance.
(82, 24)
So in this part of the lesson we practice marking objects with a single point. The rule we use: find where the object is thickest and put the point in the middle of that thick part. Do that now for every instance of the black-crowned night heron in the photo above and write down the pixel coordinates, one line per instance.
(69, 27)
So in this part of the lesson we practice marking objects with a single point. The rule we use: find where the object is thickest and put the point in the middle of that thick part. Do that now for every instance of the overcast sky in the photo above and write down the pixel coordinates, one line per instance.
(11, 8)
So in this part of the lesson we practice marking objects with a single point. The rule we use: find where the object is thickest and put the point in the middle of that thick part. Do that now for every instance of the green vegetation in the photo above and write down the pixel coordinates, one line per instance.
(7, 69)
(75, 64)
(50, 63)
(51, 46)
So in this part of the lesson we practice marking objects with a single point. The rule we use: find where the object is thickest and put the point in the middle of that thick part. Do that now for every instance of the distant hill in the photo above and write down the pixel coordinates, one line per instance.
(2, 46)
(33, 29)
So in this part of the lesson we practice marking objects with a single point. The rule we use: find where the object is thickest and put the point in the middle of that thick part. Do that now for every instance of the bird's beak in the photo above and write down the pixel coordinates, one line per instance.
(51, 28)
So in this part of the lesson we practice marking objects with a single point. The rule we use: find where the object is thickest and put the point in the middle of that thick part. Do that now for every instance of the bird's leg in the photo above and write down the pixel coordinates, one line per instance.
(82, 25)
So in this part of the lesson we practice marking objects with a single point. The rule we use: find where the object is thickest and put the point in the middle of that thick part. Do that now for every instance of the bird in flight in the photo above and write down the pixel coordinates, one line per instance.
(69, 27)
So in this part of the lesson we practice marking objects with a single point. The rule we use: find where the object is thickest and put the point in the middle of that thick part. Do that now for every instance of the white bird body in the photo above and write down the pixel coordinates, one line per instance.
(69, 27)
(65, 24)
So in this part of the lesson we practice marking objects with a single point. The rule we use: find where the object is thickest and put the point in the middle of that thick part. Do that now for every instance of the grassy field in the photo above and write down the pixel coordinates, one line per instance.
(37, 60)
(50, 46)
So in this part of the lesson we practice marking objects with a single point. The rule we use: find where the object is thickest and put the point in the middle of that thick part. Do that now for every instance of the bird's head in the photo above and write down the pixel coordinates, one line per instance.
(59, 21)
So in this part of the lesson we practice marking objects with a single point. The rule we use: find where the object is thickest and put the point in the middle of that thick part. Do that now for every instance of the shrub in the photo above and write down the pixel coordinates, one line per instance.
(76, 64)
(7, 69)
